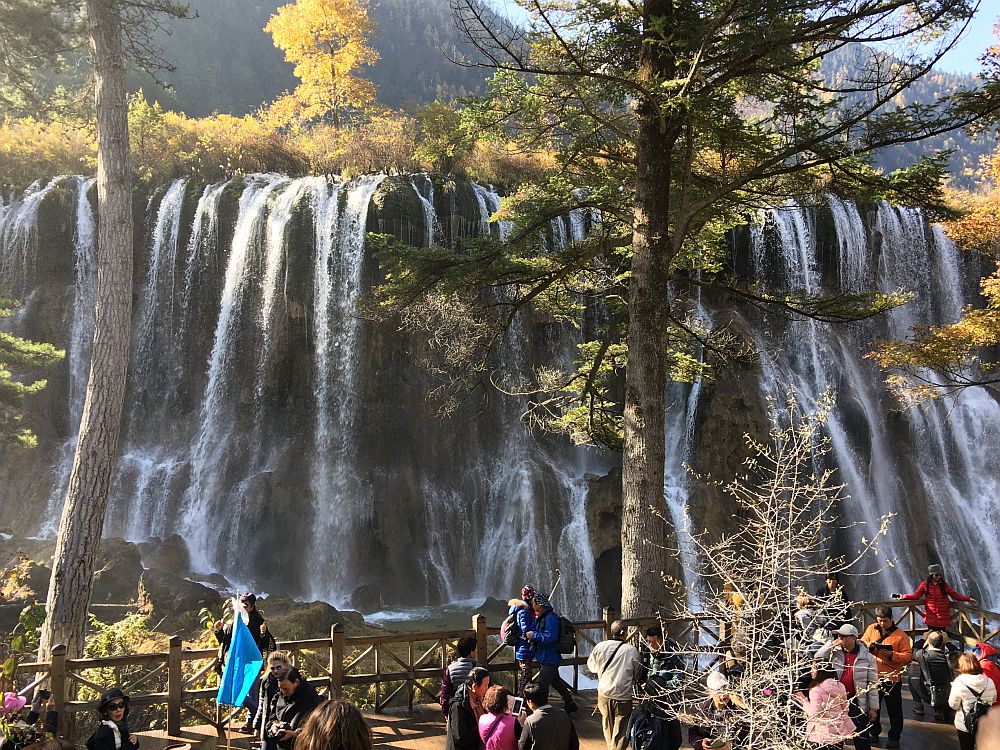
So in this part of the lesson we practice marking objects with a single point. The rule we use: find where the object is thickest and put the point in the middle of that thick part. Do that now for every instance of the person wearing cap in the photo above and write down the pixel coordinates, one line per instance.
(265, 642)
(113, 733)
(544, 639)
(619, 671)
(856, 669)
(937, 596)
(717, 717)
(524, 652)
(892, 650)
(834, 603)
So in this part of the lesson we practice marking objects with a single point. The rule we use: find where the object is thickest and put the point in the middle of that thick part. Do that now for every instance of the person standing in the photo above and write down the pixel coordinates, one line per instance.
(618, 667)
(295, 700)
(833, 602)
(827, 708)
(268, 692)
(262, 637)
(718, 717)
(989, 660)
(856, 669)
(544, 638)
(464, 712)
(498, 728)
(524, 652)
(335, 725)
(456, 672)
(937, 595)
(546, 728)
(892, 650)
(113, 733)
(933, 684)
(969, 687)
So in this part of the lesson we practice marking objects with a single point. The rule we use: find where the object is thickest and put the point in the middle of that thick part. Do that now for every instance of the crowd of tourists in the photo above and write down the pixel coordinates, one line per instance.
(851, 681)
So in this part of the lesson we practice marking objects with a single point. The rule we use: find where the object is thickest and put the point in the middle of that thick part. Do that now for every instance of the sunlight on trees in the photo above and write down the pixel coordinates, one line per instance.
(327, 40)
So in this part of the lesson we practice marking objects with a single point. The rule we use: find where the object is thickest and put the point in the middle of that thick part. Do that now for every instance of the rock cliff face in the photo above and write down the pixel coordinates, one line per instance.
(291, 443)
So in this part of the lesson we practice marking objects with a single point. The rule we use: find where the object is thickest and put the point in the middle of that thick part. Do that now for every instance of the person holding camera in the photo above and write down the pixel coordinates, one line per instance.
(892, 650)
(937, 595)
(294, 702)
(856, 669)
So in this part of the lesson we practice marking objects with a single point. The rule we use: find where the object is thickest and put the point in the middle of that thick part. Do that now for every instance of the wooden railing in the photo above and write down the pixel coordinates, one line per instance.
(378, 671)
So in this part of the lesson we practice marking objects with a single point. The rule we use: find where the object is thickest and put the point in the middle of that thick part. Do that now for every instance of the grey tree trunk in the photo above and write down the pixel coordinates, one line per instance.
(97, 447)
(643, 529)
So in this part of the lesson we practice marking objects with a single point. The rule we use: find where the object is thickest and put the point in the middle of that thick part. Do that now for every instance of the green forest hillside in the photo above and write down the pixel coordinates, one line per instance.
(225, 62)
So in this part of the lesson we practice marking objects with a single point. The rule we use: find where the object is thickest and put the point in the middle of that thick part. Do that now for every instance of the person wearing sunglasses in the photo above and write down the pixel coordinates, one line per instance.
(113, 732)
(937, 596)
(268, 690)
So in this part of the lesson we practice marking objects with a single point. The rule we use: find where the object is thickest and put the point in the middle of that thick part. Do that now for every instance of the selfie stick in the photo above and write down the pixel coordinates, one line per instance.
(556, 584)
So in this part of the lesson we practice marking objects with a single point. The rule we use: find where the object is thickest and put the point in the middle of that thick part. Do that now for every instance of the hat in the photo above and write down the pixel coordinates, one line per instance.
(847, 630)
(528, 592)
(248, 598)
(110, 696)
(935, 570)
(541, 599)
(717, 682)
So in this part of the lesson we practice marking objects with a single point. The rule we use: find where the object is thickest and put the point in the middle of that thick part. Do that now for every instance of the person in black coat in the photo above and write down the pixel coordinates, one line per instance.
(464, 711)
(268, 693)
(113, 733)
(264, 640)
(834, 603)
(294, 702)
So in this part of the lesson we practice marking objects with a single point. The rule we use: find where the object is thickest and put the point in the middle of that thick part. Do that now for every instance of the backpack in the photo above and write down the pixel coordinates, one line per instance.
(979, 709)
(567, 636)
(510, 631)
(647, 732)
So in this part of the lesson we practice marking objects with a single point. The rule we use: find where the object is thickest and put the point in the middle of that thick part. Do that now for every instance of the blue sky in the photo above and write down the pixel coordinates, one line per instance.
(963, 58)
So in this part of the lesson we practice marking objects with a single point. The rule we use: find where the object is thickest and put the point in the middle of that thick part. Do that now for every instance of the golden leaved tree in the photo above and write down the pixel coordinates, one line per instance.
(327, 40)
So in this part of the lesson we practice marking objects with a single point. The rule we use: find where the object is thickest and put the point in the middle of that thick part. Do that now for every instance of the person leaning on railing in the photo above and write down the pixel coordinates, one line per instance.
(937, 596)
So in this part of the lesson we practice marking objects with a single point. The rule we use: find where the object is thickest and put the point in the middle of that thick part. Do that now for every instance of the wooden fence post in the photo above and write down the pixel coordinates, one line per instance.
(57, 683)
(610, 615)
(175, 686)
(482, 647)
(337, 660)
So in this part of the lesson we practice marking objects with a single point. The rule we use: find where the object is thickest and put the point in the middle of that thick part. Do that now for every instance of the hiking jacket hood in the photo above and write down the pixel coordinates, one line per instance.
(988, 660)
(524, 651)
(962, 698)
(827, 709)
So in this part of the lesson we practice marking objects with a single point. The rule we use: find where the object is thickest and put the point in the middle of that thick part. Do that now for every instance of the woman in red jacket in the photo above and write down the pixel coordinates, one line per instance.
(937, 596)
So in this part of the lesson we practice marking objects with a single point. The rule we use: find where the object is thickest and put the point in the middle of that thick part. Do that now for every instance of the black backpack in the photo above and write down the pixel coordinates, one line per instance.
(979, 709)
(567, 636)
(647, 732)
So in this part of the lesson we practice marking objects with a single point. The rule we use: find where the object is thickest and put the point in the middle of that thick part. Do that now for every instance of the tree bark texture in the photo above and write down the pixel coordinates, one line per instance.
(643, 529)
(97, 445)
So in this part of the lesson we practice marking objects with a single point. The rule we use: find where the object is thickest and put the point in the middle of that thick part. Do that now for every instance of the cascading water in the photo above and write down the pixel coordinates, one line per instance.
(19, 236)
(81, 337)
(427, 203)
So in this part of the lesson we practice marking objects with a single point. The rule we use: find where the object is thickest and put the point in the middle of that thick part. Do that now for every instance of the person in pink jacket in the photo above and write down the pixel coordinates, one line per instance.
(826, 706)
(498, 729)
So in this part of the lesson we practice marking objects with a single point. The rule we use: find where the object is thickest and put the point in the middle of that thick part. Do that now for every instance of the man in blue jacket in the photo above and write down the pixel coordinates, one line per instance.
(545, 640)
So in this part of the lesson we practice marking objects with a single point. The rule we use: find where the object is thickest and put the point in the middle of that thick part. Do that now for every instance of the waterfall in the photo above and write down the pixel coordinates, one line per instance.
(339, 499)
(212, 451)
(427, 203)
(81, 338)
(489, 203)
(852, 239)
(19, 236)
(203, 241)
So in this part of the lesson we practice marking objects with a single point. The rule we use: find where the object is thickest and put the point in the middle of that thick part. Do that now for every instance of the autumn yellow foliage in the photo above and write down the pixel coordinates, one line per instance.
(31, 148)
(327, 41)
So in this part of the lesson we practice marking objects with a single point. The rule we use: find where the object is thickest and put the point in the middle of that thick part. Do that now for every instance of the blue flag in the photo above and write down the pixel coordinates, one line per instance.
(242, 664)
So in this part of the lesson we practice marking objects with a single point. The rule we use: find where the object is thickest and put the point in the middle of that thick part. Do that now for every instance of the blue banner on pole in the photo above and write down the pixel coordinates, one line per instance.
(243, 664)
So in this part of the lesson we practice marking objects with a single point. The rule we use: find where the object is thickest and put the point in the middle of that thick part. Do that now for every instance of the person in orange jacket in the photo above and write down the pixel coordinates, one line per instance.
(893, 651)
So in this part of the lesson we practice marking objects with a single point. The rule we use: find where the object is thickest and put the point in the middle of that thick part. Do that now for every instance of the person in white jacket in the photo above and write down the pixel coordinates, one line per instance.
(970, 686)
(619, 670)
(856, 669)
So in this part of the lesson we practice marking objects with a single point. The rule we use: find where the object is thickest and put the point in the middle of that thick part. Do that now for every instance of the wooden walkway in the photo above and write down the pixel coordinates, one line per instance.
(424, 730)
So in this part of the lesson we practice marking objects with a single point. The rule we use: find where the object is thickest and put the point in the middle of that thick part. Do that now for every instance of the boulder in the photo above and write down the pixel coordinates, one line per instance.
(216, 581)
(289, 620)
(24, 580)
(367, 599)
(173, 603)
(493, 609)
(170, 554)
(116, 572)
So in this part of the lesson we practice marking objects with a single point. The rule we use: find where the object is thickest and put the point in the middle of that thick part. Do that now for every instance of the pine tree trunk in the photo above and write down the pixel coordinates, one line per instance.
(97, 446)
(643, 530)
